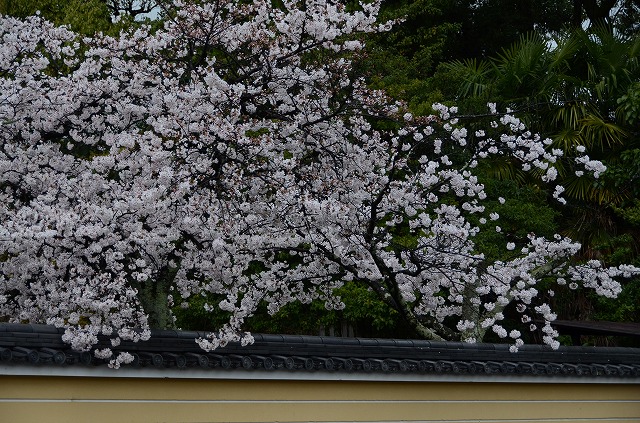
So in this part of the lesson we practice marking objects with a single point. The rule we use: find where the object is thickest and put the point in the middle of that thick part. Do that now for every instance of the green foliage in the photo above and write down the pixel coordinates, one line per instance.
(401, 60)
(631, 213)
(525, 212)
(191, 314)
(624, 173)
(620, 249)
(629, 105)
(406, 61)
(571, 82)
(626, 308)
(363, 311)
(83, 16)
(364, 308)
(580, 90)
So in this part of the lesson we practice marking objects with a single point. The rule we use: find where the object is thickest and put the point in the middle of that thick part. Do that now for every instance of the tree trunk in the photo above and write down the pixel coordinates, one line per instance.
(153, 295)
(597, 11)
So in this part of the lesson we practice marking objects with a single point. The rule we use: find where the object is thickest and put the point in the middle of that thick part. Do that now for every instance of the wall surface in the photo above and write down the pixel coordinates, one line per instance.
(89, 399)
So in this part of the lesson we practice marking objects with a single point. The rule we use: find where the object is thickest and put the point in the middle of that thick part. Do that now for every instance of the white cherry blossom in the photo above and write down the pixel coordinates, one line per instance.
(235, 152)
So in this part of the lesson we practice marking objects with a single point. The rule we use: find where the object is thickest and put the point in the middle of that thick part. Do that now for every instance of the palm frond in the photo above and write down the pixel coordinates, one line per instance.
(568, 139)
(570, 114)
(588, 190)
(475, 74)
(606, 134)
(504, 169)
(523, 67)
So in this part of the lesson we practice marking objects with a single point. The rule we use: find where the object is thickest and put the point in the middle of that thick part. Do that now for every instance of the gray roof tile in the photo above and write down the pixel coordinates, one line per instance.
(42, 345)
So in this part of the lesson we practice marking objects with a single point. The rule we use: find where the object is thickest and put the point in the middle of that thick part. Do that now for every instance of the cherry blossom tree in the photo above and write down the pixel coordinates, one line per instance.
(237, 152)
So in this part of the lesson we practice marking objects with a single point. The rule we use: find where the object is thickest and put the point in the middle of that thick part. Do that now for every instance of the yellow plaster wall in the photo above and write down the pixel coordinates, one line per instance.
(86, 399)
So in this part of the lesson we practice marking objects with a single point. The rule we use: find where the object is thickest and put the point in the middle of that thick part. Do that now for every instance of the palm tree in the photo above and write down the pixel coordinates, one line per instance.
(568, 89)
(580, 89)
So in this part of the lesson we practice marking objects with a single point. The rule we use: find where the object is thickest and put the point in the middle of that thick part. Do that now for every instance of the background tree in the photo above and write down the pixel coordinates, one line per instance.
(431, 32)
(83, 16)
(575, 90)
(580, 91)
(622, 14)
(133, 8)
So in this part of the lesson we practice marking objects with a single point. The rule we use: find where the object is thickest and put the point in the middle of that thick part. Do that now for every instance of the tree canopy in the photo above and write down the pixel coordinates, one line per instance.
(237, 153)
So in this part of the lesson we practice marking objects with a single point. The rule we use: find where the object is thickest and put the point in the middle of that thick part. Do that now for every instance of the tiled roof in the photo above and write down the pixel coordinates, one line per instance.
(41, 345)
